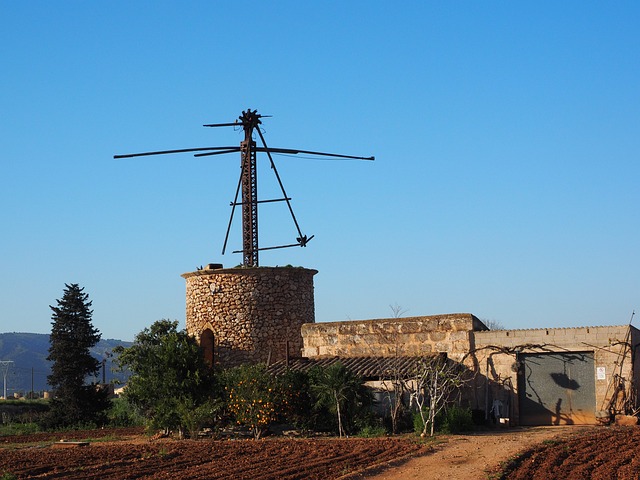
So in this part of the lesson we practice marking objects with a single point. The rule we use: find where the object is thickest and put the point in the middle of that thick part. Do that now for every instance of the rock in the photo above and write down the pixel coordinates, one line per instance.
(626, 420)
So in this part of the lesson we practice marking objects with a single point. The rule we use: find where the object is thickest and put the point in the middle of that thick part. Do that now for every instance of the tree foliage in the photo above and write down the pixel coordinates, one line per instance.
(295, 398)
(72, 337)
(169, 377)
(253, 397)
(340, 391)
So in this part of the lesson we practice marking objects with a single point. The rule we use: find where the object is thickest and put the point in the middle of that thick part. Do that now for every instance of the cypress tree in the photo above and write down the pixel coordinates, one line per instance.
(74, 402)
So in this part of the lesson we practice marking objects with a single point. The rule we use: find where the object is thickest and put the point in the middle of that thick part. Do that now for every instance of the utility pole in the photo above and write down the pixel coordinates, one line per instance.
(4, 366)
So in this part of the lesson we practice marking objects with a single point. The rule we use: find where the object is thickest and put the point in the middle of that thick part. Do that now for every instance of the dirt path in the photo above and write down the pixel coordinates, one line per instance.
(470, 457)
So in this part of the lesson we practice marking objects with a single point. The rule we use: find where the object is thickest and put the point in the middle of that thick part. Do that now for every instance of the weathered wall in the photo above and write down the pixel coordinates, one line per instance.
(492, 355)
(391, 336)
(495, 358)
(247, 315)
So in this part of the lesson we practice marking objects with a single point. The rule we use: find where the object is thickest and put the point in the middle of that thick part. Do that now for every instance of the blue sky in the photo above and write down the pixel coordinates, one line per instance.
(505, 134)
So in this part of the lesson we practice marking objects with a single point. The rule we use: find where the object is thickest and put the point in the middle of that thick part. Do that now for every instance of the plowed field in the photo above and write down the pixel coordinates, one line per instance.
(602, 454)
(139, 458)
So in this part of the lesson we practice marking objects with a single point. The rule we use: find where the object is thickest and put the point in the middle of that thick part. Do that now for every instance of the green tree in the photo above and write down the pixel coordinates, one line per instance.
(294, 399)
(340, 391)
(253, 397)
(72, 336)
(168, 372)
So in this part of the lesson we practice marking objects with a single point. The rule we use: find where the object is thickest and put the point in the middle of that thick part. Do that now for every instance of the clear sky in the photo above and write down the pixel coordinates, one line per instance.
(506, 136)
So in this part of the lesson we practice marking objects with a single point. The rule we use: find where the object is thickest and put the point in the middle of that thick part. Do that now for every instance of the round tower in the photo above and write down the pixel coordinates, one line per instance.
(249, 315)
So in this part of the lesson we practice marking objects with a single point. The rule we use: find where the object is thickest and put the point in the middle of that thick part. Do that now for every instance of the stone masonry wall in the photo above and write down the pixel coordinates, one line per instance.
(251, 312)
(392, 336)
(502, 371)
(464, 338)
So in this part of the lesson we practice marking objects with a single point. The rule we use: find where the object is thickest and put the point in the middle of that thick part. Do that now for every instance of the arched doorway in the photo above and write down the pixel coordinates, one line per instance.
(206, 343)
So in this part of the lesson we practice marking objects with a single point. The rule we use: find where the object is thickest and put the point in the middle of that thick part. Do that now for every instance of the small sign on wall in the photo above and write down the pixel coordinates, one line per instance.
(601, 373)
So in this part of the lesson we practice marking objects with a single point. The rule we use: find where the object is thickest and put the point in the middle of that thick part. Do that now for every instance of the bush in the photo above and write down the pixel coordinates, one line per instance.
(19, 429)
(123, 414)
(339, 393)
(404, 422)
(457, 419)
(454, 419)
(372, 432)
(193, 416)
(293, 398)
(251, 397)
(22, 411)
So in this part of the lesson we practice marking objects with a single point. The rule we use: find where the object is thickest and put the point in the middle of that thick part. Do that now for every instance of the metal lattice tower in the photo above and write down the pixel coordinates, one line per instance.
(4, 367)
(250, 245)
(248, 183)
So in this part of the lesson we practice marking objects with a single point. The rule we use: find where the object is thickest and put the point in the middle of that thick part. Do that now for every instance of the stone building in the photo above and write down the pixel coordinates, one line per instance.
(249, 315)
(529, 377)
(557, 376)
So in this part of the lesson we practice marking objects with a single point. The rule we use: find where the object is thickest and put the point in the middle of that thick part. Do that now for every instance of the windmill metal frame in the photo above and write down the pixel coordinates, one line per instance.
(248, 182)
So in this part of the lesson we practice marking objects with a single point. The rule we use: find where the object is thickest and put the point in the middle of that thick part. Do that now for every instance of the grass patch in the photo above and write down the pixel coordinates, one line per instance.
(550, 442)
(372, 432)
(18, 429)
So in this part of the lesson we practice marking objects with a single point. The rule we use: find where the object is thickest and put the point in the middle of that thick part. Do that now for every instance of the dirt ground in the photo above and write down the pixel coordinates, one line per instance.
(140, 458)
(567, 452)
(601, 454)
(477, 455)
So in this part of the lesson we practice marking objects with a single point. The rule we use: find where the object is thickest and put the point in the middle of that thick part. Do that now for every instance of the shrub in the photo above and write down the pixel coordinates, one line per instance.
(251, 397)
(404, 422)
(372, 431)
(195, 416)
(293, 398)
(457, 419)
(123, 414)
(339, 392)
(418, 425)
(19, 429)
(454, 419)
(167, 367)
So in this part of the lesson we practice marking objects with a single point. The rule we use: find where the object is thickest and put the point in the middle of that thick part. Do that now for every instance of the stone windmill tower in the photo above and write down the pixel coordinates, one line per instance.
(250, 314)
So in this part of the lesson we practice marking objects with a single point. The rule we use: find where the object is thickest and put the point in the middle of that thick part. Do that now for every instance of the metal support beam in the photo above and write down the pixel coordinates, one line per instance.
(250, 121)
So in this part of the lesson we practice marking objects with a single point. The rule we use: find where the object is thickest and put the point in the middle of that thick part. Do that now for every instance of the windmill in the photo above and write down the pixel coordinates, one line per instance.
(250, 121)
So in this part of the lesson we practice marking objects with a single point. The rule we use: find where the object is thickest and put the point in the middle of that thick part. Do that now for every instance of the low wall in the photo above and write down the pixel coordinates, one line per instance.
(391, 336)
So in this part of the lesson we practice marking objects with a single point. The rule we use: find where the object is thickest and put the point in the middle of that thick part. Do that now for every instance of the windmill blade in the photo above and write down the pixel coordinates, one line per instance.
(221, 152)
(291, 151)
(234, 124)
(277, 247)
(181, 150)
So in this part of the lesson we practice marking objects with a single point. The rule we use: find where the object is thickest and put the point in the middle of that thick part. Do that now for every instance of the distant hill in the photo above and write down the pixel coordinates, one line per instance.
(29, 352)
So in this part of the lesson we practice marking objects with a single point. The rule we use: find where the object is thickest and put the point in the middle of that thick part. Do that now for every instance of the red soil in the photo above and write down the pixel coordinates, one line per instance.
(593, 453)
(186, 459)
(603, 453)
